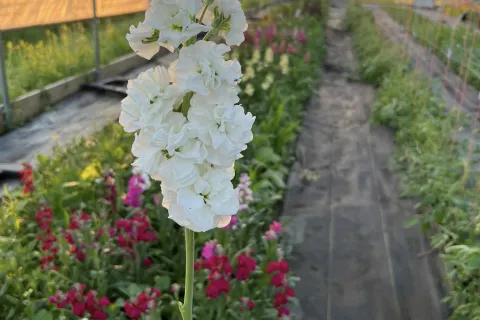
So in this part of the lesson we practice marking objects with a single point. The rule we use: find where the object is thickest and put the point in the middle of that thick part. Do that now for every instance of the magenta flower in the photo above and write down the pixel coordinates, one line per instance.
(276, 226)
(301, 37)
(137, 184)
(209, 248)
(233, 223)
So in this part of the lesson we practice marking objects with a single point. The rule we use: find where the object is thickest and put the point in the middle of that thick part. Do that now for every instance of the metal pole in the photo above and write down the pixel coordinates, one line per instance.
(96, 41)
(3, 83)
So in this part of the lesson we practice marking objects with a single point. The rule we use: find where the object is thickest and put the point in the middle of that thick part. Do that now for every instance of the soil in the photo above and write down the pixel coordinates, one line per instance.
(351, 250)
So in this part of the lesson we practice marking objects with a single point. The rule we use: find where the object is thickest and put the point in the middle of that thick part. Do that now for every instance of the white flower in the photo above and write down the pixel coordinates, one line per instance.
(268, 55)
(175, 20)
(169, 152)
(201, 68)
(204, 205)
(249, 73)
(235, 23)
(256, 56)
(150, 99)
(142, 41)
(284, 64)
(267, 82)
(249, 90)
(223, 128)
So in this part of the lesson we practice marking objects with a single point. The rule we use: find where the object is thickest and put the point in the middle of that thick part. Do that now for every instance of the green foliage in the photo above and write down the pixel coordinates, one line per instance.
(432, 167)
(71, 181)
(60, 51)
(463, 41)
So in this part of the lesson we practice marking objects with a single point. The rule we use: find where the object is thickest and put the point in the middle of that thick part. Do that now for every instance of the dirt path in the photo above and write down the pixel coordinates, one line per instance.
(351, 250)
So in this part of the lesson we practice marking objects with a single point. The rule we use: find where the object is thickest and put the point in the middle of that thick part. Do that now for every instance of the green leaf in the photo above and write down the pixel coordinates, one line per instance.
(267, 155)
(474, 262)
(43, 315)
(412, 221)
(162, 283)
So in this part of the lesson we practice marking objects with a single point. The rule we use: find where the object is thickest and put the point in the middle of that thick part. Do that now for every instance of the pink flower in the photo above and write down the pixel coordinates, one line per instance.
(271, 235)
(301, 37)
(270, 33)
(274, 47)
(291, 49)
(276, 226)
(208, 250)
(233, 222)
(282, 47)
(136, 187)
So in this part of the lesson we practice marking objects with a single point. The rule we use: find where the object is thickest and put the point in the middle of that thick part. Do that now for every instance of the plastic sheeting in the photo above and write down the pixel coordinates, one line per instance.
(15, 14)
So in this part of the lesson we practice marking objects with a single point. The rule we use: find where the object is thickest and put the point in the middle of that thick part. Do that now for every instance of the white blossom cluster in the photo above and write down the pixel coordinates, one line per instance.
(189, 128)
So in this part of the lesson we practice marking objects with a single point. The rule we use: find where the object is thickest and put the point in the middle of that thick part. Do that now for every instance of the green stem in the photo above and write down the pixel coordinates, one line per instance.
(187, 307)
(203, 12)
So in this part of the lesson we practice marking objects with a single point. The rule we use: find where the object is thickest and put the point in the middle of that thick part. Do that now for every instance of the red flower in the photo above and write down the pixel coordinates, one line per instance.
(132, 311)
(26, 177)
(247, 262)
(246, 265)
(246, 303)
(289, 292)
(99, 315)
(283, 311)
(104, 302)
(242, 274)
(78, 308)
(278, 280)
(147, 262)
(144, 303)
(280, 299)
(216, 287)
(280, 266)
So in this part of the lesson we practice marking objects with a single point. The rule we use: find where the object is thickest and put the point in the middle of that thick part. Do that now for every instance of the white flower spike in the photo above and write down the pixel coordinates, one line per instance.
(189, 128)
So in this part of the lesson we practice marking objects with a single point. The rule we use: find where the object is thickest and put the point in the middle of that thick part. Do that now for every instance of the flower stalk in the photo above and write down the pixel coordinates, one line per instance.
(186, 309)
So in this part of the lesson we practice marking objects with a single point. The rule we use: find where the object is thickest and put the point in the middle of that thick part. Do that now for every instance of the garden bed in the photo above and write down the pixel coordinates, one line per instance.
(432, 172)
(455, 46)
(75, 231)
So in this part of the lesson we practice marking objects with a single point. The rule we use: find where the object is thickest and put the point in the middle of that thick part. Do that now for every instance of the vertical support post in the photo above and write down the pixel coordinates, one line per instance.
(4, 86)
(96, 41)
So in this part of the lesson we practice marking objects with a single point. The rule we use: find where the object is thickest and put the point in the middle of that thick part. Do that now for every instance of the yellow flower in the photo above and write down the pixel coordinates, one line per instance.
(284, 64)
(90, 172)
(249, 90)
(268, 55)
